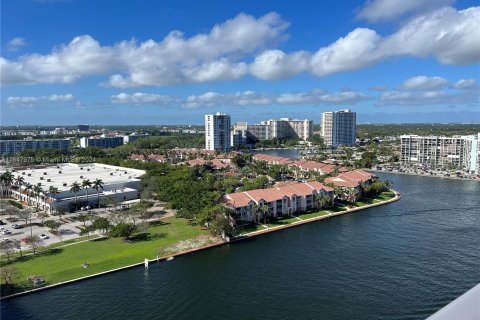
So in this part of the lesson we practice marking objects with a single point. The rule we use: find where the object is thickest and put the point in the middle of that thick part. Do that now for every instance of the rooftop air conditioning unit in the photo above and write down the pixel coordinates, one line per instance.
(41, 178)
(23, 173)
(59, 171)
(49, 180)
(111, 173)
(88, 169)
(44, 173)
(29, 174)
(39, 184)
(81, 168)
(81, 177)
(126, 172)
(64, 184)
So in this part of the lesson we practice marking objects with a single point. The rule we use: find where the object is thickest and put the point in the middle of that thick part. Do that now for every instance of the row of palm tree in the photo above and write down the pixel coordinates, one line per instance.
(76, 187)
(7, 180)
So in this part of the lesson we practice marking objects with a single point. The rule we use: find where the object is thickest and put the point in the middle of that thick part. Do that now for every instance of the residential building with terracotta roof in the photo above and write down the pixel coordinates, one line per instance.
(281, 200)
(299, 166)
(351, 182)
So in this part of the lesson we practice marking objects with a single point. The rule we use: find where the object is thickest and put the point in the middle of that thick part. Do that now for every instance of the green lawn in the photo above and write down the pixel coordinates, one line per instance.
(247, 228)
(60, 264)
(313, 214)
(281, 222)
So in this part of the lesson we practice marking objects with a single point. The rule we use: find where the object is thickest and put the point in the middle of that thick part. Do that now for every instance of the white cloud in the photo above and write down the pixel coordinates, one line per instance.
(465, 84)
(276, 65)
(16, 43)
(424, 82)
(32, 101)
(144, 98)
(416, 98)
(380, 10)
(244, 98)
(173, 60)
(223, 54)
(356, 50)
(447, 34)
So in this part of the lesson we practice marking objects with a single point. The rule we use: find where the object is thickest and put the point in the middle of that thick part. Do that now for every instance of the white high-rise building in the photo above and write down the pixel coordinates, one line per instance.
(339, 127)
(217, 132)
(459, 152)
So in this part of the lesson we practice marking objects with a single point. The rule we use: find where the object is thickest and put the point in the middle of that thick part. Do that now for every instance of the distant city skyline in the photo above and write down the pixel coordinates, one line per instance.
(172, 63)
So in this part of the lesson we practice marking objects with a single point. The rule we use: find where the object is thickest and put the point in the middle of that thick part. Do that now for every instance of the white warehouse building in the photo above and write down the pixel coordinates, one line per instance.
(118, 183)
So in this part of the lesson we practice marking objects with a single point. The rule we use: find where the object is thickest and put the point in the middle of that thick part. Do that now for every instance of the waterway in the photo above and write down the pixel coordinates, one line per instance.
(404, 260)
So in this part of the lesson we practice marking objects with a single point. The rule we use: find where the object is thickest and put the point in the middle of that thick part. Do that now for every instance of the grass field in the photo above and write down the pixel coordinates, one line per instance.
(313, 214)
(60, 264)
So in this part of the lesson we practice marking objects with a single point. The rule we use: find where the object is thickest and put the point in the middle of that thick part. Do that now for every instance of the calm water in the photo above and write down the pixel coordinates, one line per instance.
(400, 261)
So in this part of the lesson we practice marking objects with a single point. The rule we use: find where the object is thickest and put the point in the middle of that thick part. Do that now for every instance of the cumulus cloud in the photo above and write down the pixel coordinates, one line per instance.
(225, 52)
(173, 60)
(424, 82)
(144, 98)
(277, 65)
(381, 10)
(16, 43)
(31, 101)
(465, 84)
(244, 98)
(418, 98)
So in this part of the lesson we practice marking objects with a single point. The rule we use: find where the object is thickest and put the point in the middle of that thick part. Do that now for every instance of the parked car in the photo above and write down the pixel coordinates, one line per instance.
(6, 240)
(43, 236)
(16, 226)
(5, 231)
(2, 223)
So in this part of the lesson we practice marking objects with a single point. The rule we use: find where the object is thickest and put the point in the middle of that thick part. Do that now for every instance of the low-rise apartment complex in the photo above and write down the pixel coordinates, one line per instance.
(457, 152)
(280, 201)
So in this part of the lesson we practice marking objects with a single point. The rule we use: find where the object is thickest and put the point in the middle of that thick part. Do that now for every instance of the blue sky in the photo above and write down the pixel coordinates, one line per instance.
(171, 62)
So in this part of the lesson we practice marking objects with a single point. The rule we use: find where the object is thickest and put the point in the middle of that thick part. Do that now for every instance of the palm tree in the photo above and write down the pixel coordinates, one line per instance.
(321, 200)
(98, 184)
(28, 190)
(37, 190)
(52, 191)
(19, 181)
(6, 179)
(85, 185)
(255, 210)
(75, 188)
(264, 210)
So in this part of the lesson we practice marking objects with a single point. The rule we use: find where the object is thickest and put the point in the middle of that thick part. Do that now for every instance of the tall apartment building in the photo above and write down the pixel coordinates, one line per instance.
(101, 141)
(17, 146)
(217, 131)
(284, 128)
(461, 152)
(339, 127)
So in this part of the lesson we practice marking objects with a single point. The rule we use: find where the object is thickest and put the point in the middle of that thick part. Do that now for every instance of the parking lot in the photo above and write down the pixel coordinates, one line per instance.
(70, 226)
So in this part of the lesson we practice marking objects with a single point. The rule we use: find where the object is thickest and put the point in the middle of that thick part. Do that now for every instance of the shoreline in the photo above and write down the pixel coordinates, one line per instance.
(209, 246)
(423, 175)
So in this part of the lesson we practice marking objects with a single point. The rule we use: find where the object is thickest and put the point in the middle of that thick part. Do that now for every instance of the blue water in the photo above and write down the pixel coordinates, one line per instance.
(404, 260)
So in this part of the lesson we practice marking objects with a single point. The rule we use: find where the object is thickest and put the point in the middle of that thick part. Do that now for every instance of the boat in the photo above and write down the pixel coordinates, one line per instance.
(169, 259)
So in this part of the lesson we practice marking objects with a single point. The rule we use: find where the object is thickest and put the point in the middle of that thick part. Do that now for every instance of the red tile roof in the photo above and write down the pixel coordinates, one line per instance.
(241, 199)
(350, 179)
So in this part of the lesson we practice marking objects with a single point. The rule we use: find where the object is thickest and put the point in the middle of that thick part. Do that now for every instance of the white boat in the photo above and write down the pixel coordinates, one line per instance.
(169, 259)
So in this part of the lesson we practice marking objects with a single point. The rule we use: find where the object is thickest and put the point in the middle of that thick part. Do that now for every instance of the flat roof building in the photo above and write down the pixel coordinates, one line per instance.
(16, 146)
(101, 141)
(217, 132)
(457, 152)
(120, 183)
(339, 127)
